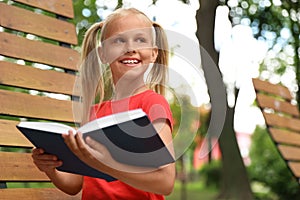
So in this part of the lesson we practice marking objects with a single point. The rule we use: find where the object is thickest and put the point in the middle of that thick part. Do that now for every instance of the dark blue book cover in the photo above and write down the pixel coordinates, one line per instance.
(130, 139)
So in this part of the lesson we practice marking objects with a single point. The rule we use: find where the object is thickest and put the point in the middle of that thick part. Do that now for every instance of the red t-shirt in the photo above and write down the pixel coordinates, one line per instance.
(156, 107)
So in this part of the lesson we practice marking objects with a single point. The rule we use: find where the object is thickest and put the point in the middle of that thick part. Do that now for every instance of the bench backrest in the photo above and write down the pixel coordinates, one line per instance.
(282, 119)
(36, 61)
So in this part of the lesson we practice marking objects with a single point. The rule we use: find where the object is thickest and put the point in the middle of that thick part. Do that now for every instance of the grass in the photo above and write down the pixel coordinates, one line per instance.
(195, 191)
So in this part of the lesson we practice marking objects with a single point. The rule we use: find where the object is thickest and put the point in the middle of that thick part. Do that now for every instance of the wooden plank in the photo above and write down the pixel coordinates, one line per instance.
(284, 129)
(19, 167)
(25, 105)
(26, 21)
(37, 51)
(281, 121)
(266, 101)
(289, 152)
(32, 78)
(295, 167)
(268, 87)
(60, 7)
(285, 136)
(10, 136)
(36, 194)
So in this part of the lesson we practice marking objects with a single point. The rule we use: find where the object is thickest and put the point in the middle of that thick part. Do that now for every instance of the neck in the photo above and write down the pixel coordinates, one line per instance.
(127, 88)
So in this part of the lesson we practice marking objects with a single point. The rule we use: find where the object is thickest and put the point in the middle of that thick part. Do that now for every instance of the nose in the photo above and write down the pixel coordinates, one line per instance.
(130, 48)
(131, 51)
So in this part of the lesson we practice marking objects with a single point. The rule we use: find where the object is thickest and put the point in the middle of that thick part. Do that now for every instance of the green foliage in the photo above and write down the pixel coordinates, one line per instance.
(211, 173)
(195, 190)
(186, 117)
(268, 167)
(85, 12)
(276, 23)
(29, 185)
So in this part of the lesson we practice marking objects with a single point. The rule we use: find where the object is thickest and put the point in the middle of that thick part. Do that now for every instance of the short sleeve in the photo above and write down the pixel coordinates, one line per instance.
(157, 107)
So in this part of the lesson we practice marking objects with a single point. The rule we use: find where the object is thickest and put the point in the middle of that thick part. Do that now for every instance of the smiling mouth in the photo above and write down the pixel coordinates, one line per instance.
(130, 61)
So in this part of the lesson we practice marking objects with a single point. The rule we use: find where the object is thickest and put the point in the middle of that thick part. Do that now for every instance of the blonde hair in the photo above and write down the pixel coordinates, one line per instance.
(95, 76)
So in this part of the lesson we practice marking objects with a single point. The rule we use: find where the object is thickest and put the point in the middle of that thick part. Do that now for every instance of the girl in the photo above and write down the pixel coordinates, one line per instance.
(129, 44)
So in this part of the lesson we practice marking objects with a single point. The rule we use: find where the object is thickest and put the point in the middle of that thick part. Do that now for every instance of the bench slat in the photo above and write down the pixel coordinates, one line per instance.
(285, 136)
(278, 90)
(295, 167)
(37, 51)
(266, 101)
(56, 27)
(23, 20)
(44, 80)
(25, 105)
(10, 135)
(36, 194)
(281, 121)
(19, 167)
(61, 7)
(289, 152)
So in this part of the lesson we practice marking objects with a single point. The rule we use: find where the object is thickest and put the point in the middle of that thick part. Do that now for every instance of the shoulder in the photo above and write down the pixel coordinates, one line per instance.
(156, 106)
(153, 97)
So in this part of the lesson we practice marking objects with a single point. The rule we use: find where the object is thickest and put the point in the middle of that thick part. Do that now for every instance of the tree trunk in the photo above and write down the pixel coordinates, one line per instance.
(183, 178)
(235, 183)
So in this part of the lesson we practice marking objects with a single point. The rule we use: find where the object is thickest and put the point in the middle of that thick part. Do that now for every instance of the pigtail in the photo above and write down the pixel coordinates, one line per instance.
(158, 75)
(91, 71)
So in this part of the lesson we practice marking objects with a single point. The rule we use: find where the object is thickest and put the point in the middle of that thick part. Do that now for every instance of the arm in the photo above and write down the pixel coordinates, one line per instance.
(159, 181)
(67, 182)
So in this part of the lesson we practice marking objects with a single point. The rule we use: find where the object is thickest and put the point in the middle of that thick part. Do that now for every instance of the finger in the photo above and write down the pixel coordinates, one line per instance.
(85, 150)
(95, 145)
(97, 148)
(70, 141)
(80, 143)
(44, 157)
(37, 151)
(39, 154)
(48, 163)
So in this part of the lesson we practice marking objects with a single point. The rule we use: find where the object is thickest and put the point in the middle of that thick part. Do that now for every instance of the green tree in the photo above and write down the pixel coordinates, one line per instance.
(277, 23)
(184, 115)
(268, 167)
(85, 12)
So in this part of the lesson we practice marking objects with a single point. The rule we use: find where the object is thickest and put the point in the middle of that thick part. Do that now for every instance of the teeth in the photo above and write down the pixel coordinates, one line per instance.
(129, 61)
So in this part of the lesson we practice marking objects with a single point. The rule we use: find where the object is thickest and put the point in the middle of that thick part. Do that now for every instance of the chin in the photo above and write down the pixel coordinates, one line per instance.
(135, 72)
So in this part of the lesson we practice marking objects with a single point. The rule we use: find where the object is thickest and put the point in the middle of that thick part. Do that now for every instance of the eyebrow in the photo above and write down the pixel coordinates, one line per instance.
(125, 33)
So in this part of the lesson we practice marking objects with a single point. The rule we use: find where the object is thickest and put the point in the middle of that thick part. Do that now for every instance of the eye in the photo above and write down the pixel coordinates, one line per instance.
(141, 40)
(118, 40)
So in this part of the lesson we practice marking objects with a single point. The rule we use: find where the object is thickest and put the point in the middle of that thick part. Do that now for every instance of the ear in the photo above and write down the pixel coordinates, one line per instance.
(154, 54)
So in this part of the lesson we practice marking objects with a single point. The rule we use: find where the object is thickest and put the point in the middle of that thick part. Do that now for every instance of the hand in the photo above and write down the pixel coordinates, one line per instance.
(45, 162)
(97, 156)
(92, 153)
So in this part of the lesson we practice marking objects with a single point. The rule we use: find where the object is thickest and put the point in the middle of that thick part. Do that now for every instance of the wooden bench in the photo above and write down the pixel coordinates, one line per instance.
(282, 120)
(36, 59)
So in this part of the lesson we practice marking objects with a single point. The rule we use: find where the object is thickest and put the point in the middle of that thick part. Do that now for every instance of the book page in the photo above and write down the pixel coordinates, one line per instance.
(110, 120)
(47, 126)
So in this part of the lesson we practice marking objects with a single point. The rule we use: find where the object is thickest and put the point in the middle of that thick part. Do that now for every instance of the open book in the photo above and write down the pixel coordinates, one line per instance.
(129, 136)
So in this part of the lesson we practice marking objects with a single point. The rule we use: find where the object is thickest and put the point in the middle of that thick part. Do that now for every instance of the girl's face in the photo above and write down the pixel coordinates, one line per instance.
(128, 47)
